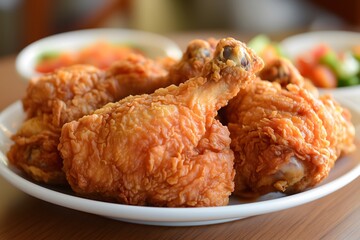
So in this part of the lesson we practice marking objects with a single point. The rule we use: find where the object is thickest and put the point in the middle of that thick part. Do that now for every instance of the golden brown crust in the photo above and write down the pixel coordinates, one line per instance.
(285, 140)
(163, 149)
(70, 93)
(282, 71)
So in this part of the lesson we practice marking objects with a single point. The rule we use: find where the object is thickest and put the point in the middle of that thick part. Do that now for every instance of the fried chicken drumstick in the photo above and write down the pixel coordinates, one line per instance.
(163, 149)
(285, 139)
(73, 92)
(282, 71)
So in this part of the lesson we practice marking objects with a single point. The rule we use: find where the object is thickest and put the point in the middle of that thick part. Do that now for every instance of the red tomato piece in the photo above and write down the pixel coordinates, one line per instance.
(100, 54)
(305, 65)
(323, 77)
(319, 51)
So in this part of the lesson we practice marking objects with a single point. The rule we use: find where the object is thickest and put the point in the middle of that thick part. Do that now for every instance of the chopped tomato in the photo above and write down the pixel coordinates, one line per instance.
(323, 77)
(305, 65)
(51, 64)
(327, 68)
(100, 54)
(319, 51)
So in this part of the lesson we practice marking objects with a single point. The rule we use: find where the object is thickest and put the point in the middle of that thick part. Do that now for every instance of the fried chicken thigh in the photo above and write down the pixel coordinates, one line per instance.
(285, 139)
(70, 93)
(163, 149)
(51, 101)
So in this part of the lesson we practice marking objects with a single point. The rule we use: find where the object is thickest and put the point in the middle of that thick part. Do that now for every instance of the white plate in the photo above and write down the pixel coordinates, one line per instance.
(338, 40)
(153, 45)
(298, 44)
(345, 171)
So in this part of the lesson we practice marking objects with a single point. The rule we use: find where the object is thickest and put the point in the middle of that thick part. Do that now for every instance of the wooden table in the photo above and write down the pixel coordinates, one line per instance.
(336, 216)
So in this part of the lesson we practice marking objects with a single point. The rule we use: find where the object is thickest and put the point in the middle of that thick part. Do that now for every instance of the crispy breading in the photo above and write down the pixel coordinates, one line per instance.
(70, 93)
(166, 148)
(285, 139)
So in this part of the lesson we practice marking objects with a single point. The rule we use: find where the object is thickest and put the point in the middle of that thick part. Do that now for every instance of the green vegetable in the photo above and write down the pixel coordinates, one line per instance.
(349, 81)
(278, 49)
(356, 52)
(259, 43)
(348, 67)
(48, 55)
(344, 69)
(330, 59)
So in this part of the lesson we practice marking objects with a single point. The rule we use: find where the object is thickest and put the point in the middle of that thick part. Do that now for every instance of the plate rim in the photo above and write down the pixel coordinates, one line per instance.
(321, 35)
(26, 59)
(284, 43)
(153, 215)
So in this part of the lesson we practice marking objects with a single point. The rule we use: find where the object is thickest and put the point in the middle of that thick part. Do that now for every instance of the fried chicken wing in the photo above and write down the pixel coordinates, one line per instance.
(73, 92)
(163, 149)
(285, 139)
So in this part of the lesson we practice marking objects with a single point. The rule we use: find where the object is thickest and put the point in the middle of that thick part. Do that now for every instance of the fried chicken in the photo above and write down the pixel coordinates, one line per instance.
(163, 149)
(73, 92)
(285, 139)
(197, 53)
(131, 74)
(51, 101)
(282, 71)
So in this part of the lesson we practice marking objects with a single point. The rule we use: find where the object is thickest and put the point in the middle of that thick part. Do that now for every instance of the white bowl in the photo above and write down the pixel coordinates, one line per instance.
(151, 44)
(295, 45)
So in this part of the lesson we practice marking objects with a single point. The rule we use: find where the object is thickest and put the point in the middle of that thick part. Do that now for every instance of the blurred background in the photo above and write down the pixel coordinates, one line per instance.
(25, 21)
